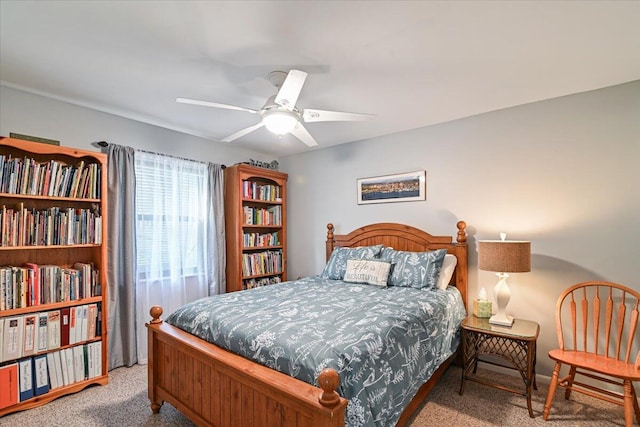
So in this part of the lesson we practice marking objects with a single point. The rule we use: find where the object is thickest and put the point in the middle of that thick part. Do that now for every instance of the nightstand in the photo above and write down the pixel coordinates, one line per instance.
(494, 344)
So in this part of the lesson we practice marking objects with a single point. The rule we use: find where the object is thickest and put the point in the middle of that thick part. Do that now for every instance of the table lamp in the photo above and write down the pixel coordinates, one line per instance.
(503, 256)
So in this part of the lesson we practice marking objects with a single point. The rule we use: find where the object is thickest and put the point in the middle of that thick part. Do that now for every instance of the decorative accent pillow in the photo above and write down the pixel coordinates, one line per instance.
(446, 271)
(369, 271)
(414, 269)
(337, 264)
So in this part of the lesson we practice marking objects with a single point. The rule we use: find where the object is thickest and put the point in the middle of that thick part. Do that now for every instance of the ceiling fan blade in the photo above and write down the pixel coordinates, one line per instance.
(214, 104)
(311, 115)
(288, 94)
(303, 135)
(243, 132)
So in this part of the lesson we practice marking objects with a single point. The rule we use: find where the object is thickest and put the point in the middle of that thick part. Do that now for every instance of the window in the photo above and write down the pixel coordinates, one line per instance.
(171, 195)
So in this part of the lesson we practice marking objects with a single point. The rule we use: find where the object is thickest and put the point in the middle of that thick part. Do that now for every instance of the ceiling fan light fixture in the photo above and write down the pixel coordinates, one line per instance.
(279, 122)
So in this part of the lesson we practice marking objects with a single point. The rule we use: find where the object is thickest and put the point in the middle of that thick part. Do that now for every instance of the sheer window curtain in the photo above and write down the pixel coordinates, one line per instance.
(179, 253)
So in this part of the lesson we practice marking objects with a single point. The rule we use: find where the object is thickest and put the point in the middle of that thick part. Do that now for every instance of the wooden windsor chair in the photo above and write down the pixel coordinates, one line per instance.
(601, 319)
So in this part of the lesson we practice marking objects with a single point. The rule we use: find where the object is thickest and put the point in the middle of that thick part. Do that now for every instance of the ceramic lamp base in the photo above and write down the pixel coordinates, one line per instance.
(503, 295)
(502, 320)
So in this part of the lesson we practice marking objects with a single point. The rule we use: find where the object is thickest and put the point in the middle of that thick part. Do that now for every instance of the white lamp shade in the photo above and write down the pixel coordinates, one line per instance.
(279, 122)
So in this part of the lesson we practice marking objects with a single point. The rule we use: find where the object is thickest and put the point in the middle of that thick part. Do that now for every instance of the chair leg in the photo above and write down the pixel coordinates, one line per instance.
(634, 400)
(628, 403)
(572, 377)
(552, 390)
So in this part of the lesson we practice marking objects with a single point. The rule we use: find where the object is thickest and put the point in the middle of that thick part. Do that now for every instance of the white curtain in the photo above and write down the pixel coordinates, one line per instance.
(172, 235)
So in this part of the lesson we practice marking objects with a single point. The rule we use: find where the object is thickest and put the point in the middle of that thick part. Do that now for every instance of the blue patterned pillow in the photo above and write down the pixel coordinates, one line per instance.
(414, 269)
(337, 264)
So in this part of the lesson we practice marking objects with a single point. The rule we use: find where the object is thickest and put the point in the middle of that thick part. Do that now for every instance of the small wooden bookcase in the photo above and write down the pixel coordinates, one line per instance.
(256, 226)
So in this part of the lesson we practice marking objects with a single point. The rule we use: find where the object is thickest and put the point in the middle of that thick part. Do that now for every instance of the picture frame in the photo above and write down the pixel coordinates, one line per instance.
(402, 187)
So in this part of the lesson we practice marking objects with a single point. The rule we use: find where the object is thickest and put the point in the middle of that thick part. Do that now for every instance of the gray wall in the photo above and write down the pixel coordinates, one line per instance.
(78, 127)
(562, 173)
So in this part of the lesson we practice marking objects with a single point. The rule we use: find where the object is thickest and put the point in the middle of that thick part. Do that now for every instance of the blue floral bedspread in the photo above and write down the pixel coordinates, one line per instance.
(385, 342)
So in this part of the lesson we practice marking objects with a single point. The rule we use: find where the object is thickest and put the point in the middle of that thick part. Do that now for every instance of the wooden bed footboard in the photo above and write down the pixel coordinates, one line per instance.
(214, 387)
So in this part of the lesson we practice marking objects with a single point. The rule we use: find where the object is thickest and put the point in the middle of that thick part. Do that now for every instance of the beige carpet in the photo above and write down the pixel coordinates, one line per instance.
(123, 402)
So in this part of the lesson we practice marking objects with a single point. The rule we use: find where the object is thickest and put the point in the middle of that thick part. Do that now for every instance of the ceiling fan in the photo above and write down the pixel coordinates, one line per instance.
(280, 114)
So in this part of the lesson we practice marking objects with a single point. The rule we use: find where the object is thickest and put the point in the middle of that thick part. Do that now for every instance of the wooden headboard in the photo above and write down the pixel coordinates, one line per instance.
(407, 238)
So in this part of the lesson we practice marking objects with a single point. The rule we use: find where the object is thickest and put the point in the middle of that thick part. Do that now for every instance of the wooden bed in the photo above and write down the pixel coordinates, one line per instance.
(214, 387)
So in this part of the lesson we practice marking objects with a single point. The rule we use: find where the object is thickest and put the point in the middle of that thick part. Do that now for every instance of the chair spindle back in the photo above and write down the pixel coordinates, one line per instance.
(581, 305)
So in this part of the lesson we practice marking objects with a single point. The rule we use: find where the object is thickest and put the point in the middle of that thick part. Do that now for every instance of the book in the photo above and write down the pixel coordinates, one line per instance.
(30, 334)
(12, 338)
(57, 361)
(61, 361)
(64, 326)
(34, 283)
(84, 320)
(78, 363)
(92, 321)
(1, 340)
(43, 334)
(73, 320)
(90, 360)
(9, 385)
(40, 375)
(99, 321)
(53, 371)
(53, 328)
(25, 367)
(95, 359)
(67, 354)
(98, 357)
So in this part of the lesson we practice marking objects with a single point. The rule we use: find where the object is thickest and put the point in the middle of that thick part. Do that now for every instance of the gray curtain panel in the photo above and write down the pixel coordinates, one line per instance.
(121, 263)
(217, 247)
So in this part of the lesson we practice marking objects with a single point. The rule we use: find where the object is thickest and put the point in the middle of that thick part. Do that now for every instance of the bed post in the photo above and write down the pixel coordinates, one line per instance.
(330, 241)
(155, 312)
(461, 272)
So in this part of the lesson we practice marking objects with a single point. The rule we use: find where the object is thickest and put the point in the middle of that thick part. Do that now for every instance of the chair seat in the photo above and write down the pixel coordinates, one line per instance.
(597, 363)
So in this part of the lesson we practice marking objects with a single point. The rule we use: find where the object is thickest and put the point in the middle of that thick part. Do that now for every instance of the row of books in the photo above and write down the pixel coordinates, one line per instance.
(33, 284)
(263, 216)
(260, 239)
(33, 333)
(52, 178)
(53, 226)
(256, 191)
(37, 375)
(267, 262)
(265, 281)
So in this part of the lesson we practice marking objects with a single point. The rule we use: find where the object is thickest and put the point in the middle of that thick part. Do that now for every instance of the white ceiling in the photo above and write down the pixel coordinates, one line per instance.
(412, 64)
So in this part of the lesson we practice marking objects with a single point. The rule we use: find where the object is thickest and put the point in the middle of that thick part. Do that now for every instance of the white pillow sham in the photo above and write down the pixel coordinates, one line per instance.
(446, 271)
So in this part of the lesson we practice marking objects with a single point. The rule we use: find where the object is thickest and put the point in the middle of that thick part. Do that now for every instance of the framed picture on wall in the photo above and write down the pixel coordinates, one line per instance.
(402, 187)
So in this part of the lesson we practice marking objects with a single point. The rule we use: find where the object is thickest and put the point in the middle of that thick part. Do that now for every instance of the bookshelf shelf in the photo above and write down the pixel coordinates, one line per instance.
(53, 302)
(255, 215)
(260, 248)
(51, 306)
(40, 247)
(50, 198)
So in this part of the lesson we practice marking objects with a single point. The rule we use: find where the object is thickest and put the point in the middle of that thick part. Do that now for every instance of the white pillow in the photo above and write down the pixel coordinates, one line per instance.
(371, 272)
(446, 271)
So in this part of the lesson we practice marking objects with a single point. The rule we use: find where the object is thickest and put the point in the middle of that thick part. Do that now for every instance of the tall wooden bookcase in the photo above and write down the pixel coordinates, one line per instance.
(53, 255)
(256, 226)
